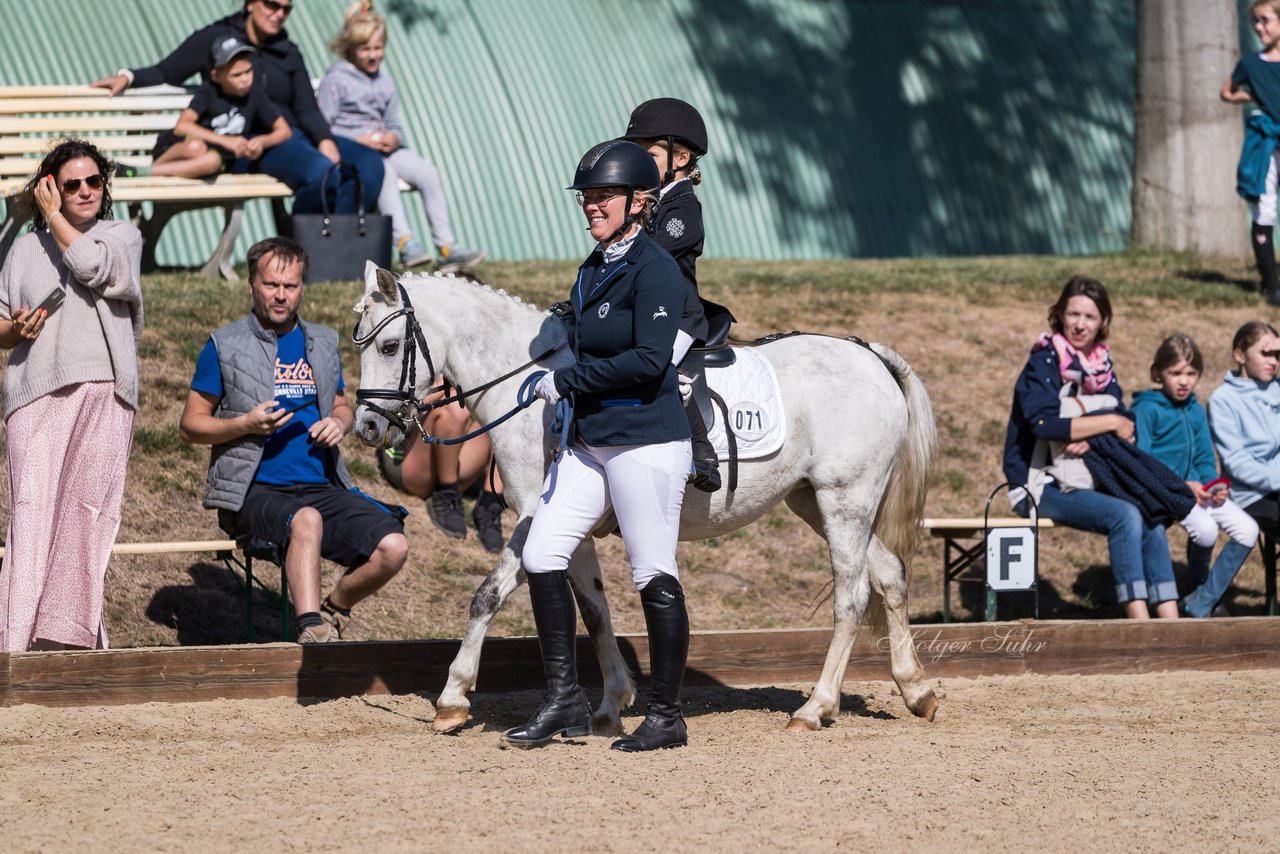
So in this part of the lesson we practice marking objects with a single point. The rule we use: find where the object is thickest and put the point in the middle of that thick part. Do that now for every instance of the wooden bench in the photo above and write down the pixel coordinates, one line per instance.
(234, 555)
(964, 561)
(125, 129)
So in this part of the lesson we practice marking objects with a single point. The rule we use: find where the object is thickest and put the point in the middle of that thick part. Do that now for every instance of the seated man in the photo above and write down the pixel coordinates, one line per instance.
(268, 396)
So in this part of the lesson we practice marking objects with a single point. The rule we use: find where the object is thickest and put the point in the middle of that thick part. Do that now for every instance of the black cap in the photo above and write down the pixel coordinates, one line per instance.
(669, 117)
(227, 49)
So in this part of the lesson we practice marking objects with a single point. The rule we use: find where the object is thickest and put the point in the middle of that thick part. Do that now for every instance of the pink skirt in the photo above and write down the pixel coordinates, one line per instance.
(68, 453)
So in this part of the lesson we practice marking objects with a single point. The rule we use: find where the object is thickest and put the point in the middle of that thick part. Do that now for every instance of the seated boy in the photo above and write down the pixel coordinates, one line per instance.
(228, 118)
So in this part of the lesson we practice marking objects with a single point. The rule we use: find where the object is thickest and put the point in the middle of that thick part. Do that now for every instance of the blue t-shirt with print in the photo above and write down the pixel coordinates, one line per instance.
(289, 456)
(1263, 79)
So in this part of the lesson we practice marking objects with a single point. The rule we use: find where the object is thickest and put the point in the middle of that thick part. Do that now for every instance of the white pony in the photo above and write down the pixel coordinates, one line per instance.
(860, 440)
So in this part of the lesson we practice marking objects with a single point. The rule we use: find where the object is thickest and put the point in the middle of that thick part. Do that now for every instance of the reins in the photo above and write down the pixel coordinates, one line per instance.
(411, 409)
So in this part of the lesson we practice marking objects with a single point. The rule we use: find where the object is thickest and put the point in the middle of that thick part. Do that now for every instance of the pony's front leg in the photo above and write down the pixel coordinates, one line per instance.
(889, 581)
(452, 706)
(588, 588)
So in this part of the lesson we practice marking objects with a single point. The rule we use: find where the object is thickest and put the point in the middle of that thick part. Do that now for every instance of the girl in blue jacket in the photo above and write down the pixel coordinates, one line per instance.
(1244, 424)
(1173, 427)
(1074, 360)
(630, 451)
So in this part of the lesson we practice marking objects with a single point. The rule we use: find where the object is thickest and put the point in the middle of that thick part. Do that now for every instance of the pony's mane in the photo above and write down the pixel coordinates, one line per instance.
(363, 305)
(470, 283)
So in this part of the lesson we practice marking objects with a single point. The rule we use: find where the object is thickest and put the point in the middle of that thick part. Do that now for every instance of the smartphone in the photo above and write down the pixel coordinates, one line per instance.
(294, 408)
(51, 302)
(1219, 485)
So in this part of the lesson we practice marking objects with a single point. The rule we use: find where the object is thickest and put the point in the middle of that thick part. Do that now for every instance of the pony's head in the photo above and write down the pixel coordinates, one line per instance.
(389, 361)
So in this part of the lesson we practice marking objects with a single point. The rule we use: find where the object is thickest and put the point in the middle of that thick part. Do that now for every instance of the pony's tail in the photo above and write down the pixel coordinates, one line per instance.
(901, 509)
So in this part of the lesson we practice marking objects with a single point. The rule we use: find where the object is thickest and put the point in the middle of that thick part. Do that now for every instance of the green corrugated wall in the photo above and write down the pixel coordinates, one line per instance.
(867, 128)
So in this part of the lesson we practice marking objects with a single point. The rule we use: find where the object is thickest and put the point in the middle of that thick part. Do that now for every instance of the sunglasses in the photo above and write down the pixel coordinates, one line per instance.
(273, 6)
(72, 185)
(597, 198)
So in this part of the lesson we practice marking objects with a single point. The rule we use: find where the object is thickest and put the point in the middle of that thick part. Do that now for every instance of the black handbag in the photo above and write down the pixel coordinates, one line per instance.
(338, 244)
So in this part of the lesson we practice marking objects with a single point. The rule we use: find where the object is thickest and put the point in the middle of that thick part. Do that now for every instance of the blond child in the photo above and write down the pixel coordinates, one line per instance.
(360, 102)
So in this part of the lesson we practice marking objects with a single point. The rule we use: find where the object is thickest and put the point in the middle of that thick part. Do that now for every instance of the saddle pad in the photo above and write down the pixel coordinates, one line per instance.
(750, 390)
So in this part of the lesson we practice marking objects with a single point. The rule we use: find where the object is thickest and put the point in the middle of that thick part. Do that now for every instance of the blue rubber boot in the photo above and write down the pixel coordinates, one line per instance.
(1200, 602)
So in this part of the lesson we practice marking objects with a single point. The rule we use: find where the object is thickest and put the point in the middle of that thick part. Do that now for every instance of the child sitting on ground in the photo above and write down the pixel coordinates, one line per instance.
(1173, 427)
(359, 100)
(228, 119)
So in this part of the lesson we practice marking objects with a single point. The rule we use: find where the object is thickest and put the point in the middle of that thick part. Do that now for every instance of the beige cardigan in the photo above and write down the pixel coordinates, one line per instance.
(93, 336)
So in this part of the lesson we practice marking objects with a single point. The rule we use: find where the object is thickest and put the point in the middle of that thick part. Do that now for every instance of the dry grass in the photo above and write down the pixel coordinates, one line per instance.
(964, 324)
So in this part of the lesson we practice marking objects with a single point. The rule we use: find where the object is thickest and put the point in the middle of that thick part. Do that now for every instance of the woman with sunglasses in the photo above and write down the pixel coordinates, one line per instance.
(71, 315)
(303, 160)
(630, 451)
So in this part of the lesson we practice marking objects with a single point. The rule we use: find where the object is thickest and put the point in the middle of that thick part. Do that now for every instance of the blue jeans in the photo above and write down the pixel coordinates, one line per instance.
(300, 164)
(1140, 558)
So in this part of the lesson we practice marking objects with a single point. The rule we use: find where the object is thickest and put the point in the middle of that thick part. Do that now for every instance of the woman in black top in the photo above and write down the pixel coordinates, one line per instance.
(300, 161)
(630, 451)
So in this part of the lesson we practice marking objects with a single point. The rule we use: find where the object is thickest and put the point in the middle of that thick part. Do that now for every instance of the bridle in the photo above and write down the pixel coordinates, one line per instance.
(410, 408)
(405, 392)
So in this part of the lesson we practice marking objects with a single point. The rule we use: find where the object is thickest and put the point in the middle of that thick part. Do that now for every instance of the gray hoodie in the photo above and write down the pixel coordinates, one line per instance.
(353, 103)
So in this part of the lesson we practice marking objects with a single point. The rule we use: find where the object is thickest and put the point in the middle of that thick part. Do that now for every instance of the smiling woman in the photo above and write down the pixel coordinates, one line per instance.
(1074, 362)
(71, 312)
(631, 451)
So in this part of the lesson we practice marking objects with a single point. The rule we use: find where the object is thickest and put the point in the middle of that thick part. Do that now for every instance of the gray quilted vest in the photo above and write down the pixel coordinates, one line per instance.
(247, 358)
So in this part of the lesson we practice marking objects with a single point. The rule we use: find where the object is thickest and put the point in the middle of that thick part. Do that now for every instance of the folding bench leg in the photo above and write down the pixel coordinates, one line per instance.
(219, 262)
(286, 623)
(1269, 543)
(248, 597)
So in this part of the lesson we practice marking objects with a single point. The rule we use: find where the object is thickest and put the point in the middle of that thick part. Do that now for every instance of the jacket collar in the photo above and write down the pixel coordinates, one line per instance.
(264, 334)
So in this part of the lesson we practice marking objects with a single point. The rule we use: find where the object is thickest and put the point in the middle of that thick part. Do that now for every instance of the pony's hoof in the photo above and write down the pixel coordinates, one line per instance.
(802, 725)
(606, 725)
(926, 707)
(449, 718)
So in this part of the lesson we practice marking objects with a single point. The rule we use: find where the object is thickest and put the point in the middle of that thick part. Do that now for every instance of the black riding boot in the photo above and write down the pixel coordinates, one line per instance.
(564, 709)
(668, 623)
(706, 465)
(1264, 251)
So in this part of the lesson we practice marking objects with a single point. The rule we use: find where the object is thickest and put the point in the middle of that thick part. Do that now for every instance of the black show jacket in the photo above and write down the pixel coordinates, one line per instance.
(625, 319)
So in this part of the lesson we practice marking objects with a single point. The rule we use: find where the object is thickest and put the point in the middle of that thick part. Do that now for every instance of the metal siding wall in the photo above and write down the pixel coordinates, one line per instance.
(837, 128)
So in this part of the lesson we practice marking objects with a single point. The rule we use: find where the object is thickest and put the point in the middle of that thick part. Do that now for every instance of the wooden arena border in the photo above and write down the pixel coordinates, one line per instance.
(740, 658)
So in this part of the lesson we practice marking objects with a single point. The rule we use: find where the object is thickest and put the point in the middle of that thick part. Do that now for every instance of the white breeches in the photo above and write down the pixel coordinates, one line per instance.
(1203, 523)
(643, 483)
(1263, 211)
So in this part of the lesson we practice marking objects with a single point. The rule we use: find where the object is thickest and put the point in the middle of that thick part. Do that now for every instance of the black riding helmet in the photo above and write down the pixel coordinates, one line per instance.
(671, 120)
(617, 163)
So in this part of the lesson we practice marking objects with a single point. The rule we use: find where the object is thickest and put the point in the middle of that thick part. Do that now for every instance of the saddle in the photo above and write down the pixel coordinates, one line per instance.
(715, 353)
